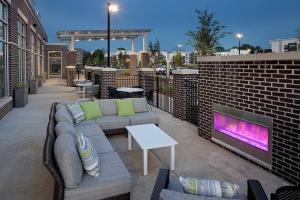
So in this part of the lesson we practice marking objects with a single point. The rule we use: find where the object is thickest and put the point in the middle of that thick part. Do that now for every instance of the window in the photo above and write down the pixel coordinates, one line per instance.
(22, 50)
(55, 63)
(3, 51)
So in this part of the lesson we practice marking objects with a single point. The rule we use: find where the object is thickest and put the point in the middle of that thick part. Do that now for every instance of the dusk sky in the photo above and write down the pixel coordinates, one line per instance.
(259, 20)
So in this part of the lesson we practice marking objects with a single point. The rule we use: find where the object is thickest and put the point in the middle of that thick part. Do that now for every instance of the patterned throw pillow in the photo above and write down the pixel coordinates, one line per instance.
(88, 155)
(77, 112)
(208, 188)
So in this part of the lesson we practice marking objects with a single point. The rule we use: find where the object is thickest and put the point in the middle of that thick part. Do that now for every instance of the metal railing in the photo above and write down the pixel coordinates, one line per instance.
(127, 81)
(192, 101)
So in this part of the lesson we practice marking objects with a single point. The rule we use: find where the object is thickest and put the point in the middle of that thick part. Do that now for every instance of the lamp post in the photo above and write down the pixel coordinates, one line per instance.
(239, 37)
(110, 8)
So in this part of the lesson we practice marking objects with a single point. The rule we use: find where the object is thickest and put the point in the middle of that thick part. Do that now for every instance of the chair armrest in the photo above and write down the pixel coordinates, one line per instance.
(255, 191)
(162, 182)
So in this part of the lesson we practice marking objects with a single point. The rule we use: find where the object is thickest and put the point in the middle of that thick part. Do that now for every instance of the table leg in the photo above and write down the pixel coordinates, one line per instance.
(129, 141)
(145, 162)
(83, 96)
(172, 158)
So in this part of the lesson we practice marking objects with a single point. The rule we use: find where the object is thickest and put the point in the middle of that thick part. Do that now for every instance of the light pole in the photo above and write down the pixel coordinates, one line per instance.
(110, 8)
(239, 37)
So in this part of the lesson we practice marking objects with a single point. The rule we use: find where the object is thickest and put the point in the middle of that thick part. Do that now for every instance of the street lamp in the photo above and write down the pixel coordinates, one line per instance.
(239, 37)
(110, 8)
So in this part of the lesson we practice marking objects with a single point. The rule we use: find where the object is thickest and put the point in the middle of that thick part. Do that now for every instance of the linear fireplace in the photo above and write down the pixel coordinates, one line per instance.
(248, 134)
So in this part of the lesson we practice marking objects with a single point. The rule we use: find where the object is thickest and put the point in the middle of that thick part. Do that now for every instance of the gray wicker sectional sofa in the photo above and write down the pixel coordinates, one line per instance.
(114, 181)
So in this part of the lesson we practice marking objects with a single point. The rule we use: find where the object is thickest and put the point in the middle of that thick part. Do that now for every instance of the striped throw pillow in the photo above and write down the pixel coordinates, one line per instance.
(88, 155)
(208, 188)
(77, 112)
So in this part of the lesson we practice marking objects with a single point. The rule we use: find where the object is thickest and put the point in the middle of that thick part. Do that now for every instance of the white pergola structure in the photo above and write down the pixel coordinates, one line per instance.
(91, 35)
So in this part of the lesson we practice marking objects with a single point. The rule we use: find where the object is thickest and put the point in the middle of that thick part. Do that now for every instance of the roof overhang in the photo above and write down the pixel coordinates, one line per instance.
(88, 35)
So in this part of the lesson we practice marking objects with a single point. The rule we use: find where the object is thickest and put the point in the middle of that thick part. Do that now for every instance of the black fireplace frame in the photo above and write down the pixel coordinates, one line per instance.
(259, 156)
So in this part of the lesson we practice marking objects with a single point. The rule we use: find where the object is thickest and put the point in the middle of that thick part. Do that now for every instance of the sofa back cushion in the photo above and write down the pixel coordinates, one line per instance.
(140, 105)
(68, 160)
(77, 112)
(65, 128)
(91, 109)
(108, 107)
(63, 115)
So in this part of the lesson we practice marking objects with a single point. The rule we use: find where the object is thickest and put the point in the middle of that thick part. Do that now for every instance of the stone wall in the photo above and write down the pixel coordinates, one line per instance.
(267, 84)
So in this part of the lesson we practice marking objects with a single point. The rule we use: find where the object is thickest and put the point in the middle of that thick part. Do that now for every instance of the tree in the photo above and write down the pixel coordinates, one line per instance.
(247, 47)
(206, 37)
(177, 59)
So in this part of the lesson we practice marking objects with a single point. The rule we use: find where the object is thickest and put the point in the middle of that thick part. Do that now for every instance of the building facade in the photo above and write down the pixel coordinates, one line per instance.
(284, 45)
(22, 48)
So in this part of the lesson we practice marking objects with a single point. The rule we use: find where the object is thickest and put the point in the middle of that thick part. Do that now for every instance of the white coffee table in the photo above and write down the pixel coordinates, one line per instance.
(149, 137)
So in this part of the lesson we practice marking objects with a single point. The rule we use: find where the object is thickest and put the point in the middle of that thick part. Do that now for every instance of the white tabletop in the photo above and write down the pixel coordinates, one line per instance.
(149, 136)
(129, 90)
(84, 84)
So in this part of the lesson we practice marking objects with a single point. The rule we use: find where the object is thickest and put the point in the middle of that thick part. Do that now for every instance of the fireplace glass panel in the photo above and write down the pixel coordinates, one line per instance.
(245, 131)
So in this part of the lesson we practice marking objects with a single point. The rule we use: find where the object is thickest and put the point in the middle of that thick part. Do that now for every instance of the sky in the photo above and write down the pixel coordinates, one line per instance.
(259, 20)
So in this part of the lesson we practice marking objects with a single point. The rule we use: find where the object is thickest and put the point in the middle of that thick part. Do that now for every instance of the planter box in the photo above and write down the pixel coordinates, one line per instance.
(33, 87)
(21, 97)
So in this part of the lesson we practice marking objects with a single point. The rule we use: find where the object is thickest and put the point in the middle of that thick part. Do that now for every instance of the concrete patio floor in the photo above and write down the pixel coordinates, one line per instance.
(23, 175)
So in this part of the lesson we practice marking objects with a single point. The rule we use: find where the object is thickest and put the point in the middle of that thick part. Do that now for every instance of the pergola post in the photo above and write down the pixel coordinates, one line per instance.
(133, 46)
(144, 42)
(72, 43)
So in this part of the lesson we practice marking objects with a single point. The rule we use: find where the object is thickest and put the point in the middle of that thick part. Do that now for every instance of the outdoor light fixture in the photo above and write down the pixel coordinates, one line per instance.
(239, 36)
(124, 38)
(90, 40)
(111, 8)
(101, 39)
(77, 40)
(113, 38)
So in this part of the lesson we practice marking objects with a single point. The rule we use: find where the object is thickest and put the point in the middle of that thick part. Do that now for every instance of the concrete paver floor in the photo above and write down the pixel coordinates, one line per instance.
(23, 175)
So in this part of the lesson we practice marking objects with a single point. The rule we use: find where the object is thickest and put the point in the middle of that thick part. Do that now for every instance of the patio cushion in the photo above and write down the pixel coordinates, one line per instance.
(101, 144)
(209, 188)
(112, 122)
(140, 105)
(91, 109)
(88, 155)
(63, 116)
(108, 107)
(125, 107)
(144, 118)
(65, 128)
(77, 112)
(68, 160)
(89, 128)
(114, 179)
(60, 106)
(173, 195)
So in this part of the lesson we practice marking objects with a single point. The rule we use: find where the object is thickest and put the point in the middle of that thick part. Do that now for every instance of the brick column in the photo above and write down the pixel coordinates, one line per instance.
(180, 91)
(94, 71)
(71, 75)
(133, 64)
(142, 73)
(144, 59)
(108, 79)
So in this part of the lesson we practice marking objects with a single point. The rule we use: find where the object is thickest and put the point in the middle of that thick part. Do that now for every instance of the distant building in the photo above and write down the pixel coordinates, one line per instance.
(185, 56)
(233, 52)
(284, 45)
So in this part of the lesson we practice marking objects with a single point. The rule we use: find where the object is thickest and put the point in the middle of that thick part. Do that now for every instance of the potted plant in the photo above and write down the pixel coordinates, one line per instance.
(33, 86)
(40, 81)
(21, 95)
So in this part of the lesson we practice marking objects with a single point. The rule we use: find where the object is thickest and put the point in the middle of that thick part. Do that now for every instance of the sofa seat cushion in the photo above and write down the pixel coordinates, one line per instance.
(114, 179)
(173, 195)
(140, 105)
(101, 144)
(112, 122)
(68, 160)
(144, 118)
(89, 128)
(108, 107)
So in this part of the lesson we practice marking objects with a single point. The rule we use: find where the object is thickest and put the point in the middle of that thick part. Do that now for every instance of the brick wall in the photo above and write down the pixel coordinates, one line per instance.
(71, 75)
(268, 85)
(4, 109)
(143, 73)
(108, 79)
(180, 96)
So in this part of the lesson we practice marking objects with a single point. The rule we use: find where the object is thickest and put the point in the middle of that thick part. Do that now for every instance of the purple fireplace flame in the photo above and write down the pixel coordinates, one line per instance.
(250, 133)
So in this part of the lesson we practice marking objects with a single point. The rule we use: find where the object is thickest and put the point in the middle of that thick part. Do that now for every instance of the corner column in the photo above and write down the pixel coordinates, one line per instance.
(108, 79)
(71, 74)
(180, 97)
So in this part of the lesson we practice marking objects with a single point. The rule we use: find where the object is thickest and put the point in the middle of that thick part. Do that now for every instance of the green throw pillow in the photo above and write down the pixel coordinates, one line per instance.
(91, 109)
(125, 107)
